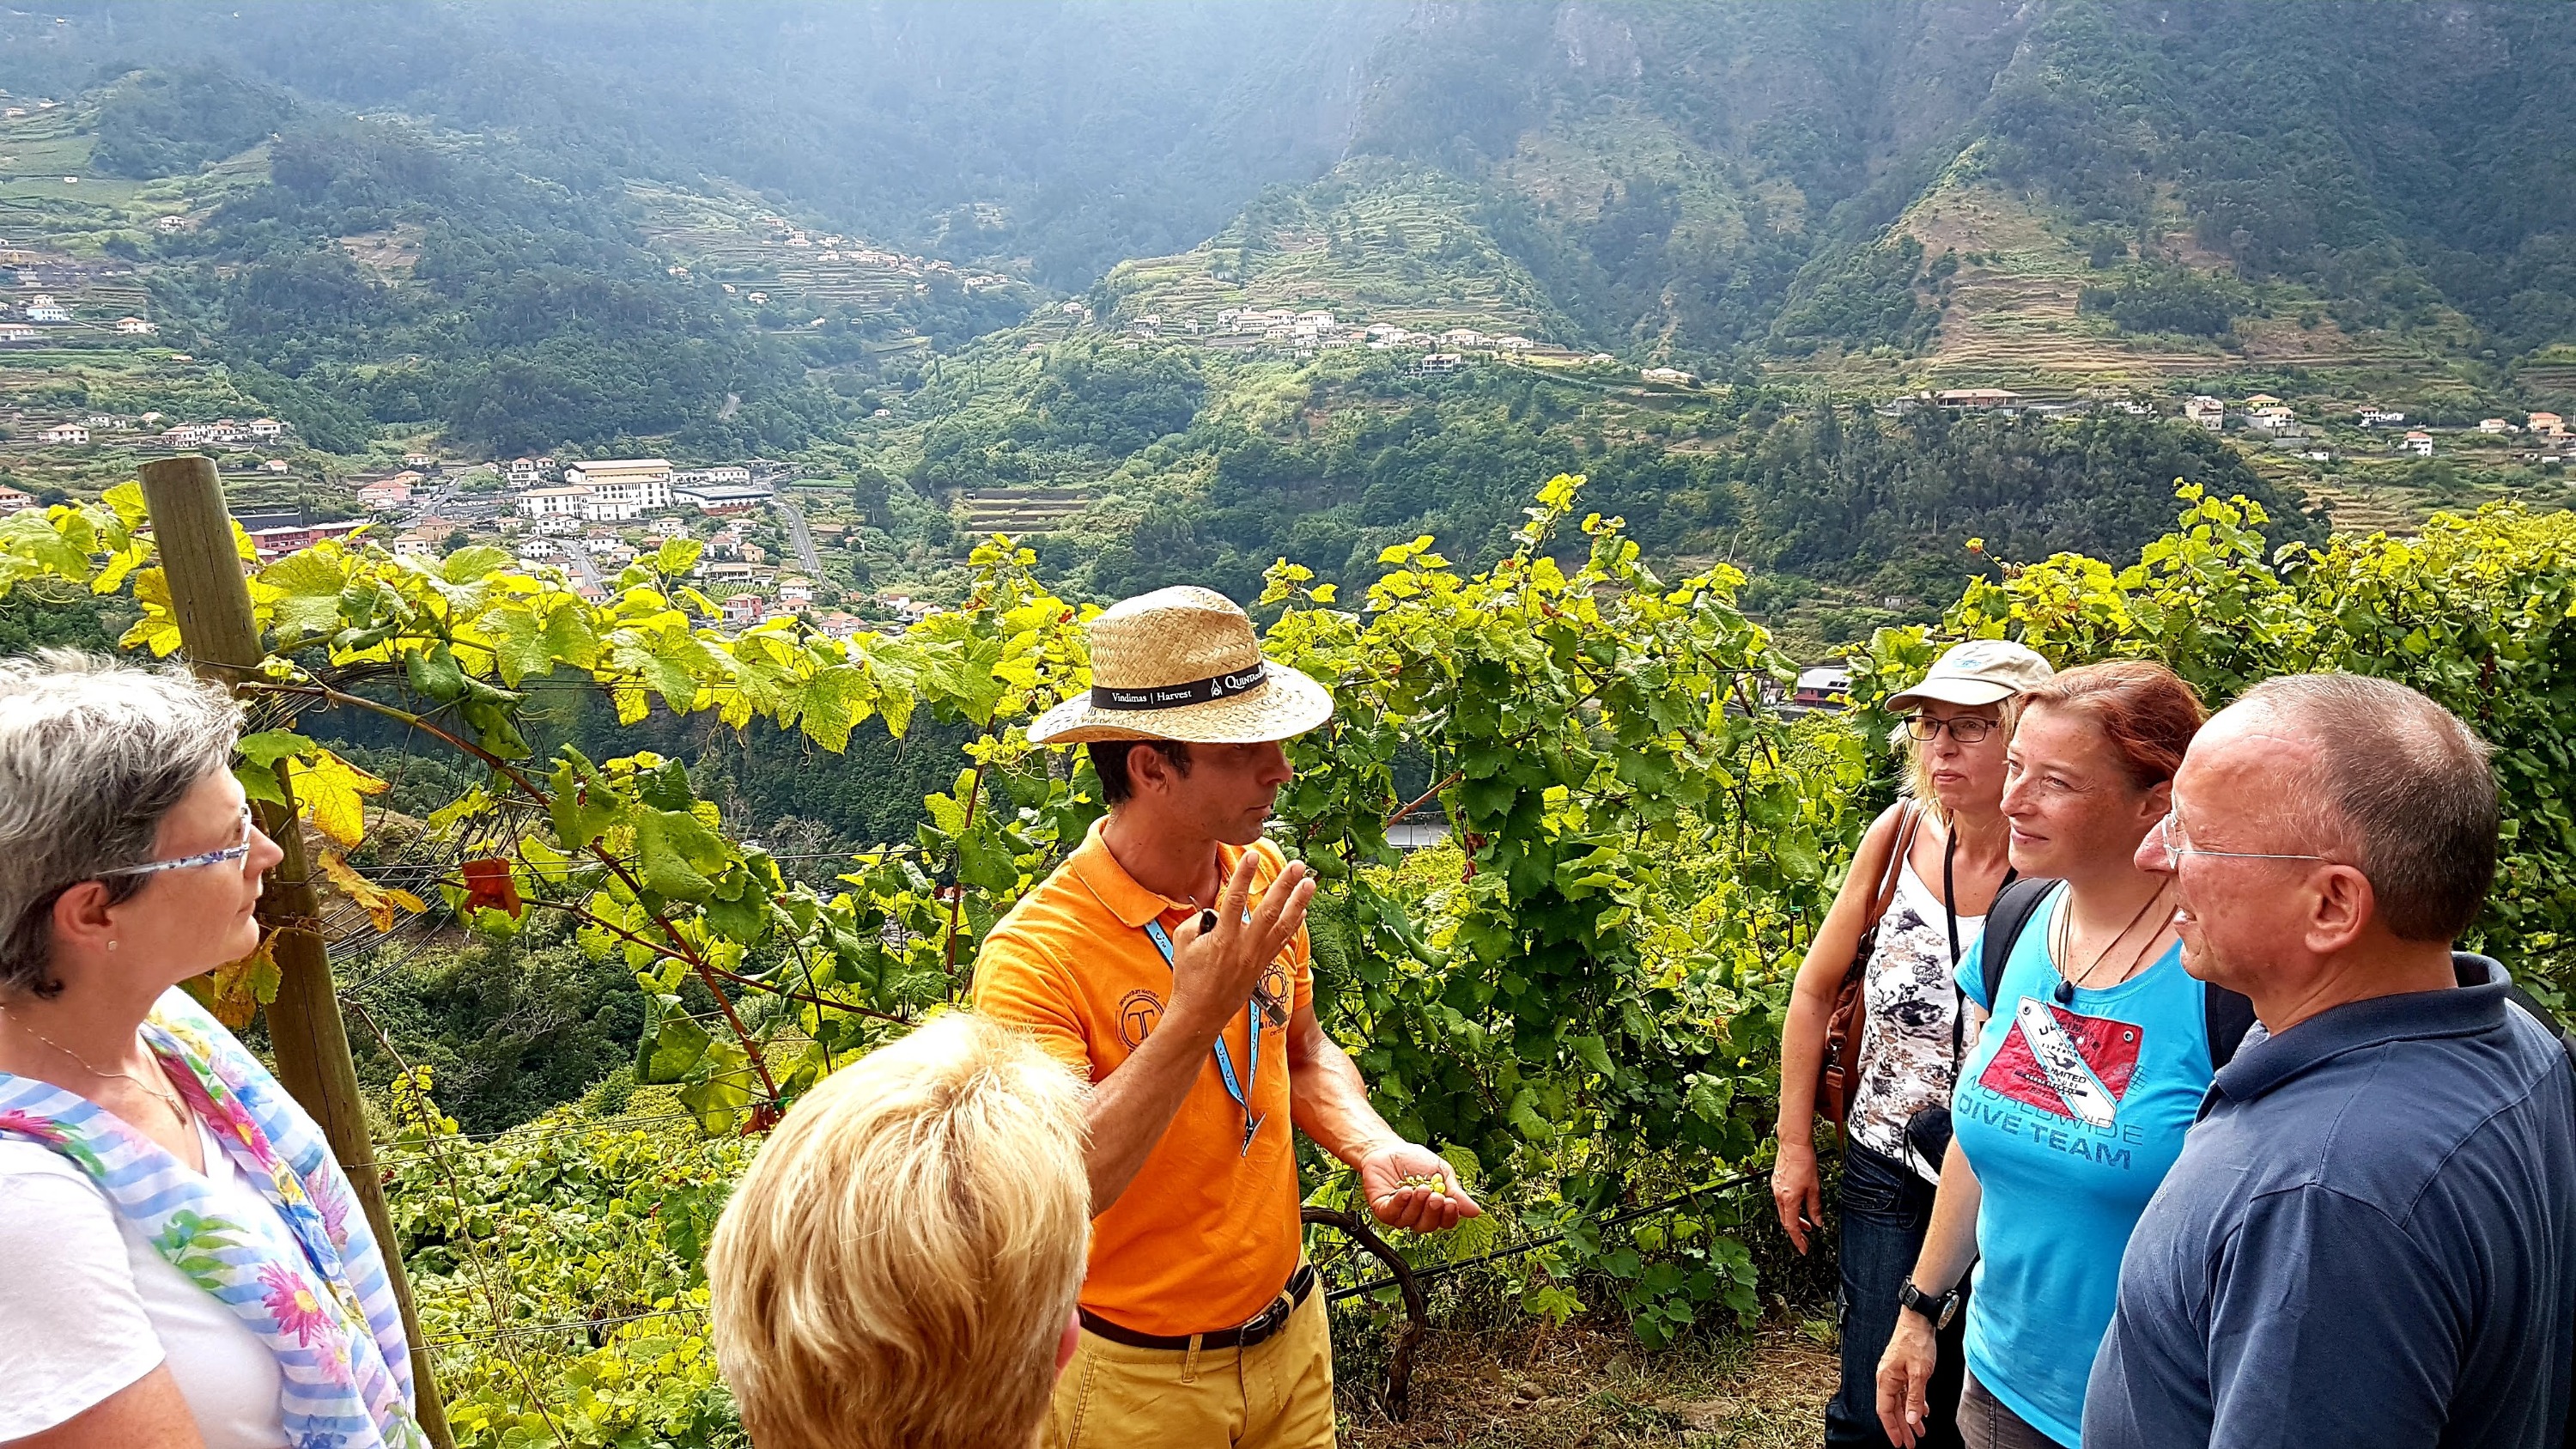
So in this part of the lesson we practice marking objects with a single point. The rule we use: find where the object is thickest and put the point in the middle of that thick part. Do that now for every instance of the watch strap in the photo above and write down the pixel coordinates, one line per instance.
(1939, 1308)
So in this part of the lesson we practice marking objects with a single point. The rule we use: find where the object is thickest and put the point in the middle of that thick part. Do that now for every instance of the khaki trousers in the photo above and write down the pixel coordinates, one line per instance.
(1277, 1394)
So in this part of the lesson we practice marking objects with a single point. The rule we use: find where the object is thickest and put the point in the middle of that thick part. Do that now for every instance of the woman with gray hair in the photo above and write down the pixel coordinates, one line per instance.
(184, 1268)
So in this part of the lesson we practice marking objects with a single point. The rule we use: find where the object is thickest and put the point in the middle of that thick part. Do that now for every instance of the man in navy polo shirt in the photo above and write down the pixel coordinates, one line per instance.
(2370, 1236)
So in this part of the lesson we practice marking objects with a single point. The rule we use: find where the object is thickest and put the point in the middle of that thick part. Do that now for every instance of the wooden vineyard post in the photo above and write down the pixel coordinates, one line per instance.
(211, 599)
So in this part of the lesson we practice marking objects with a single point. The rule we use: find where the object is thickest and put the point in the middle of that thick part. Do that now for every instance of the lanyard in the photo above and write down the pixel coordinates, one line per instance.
(1242, 1094)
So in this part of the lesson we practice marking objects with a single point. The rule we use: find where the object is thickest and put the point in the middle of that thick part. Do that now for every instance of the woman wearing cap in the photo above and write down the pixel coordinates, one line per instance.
(182, 1265)
(1942, 850)
(2074, 1099)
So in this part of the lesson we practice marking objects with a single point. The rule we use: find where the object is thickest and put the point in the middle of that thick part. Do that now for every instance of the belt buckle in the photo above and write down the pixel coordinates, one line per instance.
(1264, 1323)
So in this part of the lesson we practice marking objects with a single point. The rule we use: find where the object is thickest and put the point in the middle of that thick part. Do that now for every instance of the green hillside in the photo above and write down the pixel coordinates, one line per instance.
(996, 275)
(1371, 242)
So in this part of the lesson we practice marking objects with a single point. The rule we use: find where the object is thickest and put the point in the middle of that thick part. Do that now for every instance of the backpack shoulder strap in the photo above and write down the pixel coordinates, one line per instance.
(2227, 1015)
(2012, 910)
(2548, 1020)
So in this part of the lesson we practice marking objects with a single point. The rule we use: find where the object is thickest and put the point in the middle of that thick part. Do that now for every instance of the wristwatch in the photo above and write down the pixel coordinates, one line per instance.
(1940, 1309)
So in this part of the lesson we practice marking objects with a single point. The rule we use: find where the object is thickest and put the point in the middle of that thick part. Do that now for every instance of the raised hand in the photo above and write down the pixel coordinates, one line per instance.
(1218, 955)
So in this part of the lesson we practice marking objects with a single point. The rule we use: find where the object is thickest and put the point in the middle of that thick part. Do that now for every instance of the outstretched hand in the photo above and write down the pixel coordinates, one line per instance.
(1414, 1187)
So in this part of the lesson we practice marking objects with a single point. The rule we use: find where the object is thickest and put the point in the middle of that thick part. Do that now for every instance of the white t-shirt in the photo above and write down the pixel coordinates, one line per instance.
(88, 1305)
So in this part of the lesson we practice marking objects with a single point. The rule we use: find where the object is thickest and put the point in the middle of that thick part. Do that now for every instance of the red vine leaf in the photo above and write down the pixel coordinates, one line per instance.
(488, 882)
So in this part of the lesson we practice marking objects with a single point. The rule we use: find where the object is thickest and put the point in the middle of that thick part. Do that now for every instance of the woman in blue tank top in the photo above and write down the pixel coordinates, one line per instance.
(2087, 1072)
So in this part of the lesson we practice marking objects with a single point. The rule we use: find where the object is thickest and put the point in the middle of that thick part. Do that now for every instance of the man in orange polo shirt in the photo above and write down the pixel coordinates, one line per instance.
(1167, 960)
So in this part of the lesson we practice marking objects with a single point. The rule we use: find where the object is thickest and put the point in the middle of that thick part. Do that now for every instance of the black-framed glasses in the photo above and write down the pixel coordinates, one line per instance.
(1967, 729)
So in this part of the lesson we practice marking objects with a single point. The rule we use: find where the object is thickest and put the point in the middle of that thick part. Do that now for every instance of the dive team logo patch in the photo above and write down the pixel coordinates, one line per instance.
(2074, 1066)
(1139, 1012)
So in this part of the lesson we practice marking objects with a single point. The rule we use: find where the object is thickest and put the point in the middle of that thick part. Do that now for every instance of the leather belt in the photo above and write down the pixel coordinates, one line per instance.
(1253, 1330)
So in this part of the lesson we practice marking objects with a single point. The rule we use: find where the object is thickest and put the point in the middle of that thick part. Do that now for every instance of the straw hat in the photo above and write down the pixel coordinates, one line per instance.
(1182, 664)
(1981, 671)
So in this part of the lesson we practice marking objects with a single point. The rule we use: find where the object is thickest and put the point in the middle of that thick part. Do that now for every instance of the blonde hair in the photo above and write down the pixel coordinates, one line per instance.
(1917, 785)
(897, 1267)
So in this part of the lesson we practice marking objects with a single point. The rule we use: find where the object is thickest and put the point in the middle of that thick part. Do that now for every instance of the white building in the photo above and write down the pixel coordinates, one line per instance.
(385, 495)
(722, 474)
(36, 313)
(618, 489)
(2207, 411)
(267, 428)
(2418, 443)
(20, 332)
(64, 433)
(14, 500)
(2494, 425)
(795, 593)
(562, 501)
(135, 326)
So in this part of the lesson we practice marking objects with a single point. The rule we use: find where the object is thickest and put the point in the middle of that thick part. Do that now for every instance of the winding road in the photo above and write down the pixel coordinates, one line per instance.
(799, 536)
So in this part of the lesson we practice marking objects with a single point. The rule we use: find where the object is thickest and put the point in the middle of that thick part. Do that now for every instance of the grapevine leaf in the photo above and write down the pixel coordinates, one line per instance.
(476, 561)
(333, 793)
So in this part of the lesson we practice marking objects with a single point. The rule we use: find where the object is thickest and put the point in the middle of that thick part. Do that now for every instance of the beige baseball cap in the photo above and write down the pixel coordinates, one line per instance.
(1981, 671)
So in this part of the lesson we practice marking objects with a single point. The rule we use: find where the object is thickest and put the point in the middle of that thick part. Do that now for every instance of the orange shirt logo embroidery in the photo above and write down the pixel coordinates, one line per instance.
(1138, 1014)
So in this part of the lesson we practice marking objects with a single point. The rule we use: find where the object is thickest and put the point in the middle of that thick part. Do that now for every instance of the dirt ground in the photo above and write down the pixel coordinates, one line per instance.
(1582, 1388)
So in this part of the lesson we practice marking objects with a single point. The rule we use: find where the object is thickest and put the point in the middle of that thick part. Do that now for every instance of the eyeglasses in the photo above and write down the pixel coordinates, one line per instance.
(2169, 839)
(228, 855)
(1967, 729)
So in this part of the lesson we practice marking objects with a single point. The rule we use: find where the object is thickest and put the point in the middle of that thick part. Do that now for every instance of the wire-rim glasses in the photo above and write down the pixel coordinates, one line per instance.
(2169, 839)
(1967, 729)
(229, 854)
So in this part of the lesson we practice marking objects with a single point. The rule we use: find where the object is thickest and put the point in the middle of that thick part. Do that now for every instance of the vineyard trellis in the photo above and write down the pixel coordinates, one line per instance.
(1576, 996)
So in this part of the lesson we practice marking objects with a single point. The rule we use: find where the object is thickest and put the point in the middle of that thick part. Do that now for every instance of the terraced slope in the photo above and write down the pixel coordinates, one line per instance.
(2011, 311)
(802, 273)
(1373, 242)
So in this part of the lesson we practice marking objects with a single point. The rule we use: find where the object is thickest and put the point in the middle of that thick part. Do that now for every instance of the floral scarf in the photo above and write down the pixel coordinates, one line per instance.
(327, 1312)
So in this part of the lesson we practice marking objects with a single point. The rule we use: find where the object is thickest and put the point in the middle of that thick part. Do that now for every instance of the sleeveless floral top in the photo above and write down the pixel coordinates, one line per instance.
(1906, 1057)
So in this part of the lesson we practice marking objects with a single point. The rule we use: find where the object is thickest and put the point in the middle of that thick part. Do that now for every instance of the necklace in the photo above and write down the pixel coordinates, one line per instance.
(161, 1094)
(2065, 947)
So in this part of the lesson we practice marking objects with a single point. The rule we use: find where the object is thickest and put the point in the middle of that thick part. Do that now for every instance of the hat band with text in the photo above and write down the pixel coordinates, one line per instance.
(1173, 696)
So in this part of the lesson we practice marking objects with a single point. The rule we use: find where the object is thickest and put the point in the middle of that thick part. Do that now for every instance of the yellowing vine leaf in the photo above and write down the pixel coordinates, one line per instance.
(236, 990)
(333, 795)
(379, 902)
